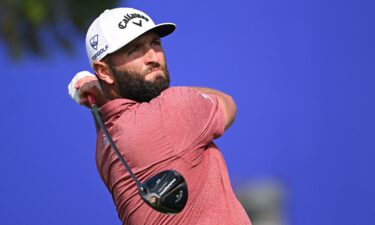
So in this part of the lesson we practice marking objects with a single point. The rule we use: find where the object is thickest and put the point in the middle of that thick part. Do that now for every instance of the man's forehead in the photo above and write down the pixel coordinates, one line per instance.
(144, 37)
(150, 35)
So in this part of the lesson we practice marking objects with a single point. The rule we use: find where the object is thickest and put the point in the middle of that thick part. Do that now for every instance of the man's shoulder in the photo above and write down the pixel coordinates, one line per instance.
(178, 95)
(115, 107)
(183, 93)
(183, 98)
(178, 92)
(176, 89)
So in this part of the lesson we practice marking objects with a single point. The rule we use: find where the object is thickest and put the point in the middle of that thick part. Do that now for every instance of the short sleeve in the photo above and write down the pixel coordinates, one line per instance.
(191, 119)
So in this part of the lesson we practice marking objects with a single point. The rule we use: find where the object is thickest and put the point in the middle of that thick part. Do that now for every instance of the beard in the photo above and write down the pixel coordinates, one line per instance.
(132, 85)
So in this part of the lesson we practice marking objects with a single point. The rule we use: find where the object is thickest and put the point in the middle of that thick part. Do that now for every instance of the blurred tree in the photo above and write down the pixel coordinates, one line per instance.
(28, 26)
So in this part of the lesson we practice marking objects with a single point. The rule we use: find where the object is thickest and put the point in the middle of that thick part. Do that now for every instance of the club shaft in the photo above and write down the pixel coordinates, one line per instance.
(115, 149)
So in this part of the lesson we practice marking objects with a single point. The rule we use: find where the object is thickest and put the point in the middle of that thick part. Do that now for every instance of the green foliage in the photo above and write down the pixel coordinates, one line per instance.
(30, 26)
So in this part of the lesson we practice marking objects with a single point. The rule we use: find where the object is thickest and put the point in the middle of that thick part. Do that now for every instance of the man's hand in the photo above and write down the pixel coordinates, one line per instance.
(84, 84)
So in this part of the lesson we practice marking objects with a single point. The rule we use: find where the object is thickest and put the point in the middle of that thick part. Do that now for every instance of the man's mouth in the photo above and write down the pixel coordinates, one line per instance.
(153, 73)
(153, 70)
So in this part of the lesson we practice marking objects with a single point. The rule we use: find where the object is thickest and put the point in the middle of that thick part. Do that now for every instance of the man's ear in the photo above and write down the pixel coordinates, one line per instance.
(103, 72)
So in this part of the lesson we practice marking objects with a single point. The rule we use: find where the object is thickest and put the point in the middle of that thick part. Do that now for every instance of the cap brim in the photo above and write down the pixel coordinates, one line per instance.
(163, 29)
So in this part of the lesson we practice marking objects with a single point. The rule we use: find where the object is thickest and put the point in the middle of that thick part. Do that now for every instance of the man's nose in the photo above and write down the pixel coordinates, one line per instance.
(151, 56)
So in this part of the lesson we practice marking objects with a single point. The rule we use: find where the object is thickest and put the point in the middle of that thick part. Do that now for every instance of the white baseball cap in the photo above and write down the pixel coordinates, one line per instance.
(115, 28)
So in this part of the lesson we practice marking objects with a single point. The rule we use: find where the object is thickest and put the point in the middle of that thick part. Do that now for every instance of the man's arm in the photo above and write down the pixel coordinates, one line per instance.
(84, 84)
(90, 85)
(226, 103)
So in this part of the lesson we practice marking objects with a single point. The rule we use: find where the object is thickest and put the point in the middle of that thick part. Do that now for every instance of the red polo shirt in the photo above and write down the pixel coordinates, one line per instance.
(174, 131)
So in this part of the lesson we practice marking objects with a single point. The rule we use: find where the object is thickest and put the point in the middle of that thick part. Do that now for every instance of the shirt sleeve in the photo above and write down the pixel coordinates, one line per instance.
(191, 119)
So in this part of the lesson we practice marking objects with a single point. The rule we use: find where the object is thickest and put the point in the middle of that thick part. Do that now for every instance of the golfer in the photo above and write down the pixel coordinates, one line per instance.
(156, 127)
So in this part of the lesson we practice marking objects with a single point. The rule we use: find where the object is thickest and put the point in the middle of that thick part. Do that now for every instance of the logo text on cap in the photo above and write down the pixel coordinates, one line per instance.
(101, 51)
(124, 22)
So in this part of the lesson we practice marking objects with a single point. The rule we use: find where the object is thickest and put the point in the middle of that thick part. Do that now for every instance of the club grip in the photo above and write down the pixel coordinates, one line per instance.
(91, 99)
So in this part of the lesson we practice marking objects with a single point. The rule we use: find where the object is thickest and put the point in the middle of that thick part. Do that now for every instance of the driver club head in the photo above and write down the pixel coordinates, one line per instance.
(166, 192)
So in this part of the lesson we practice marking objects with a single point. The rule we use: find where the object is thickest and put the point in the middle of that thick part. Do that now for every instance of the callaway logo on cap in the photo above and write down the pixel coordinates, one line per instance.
(115, 28)
(127, 18)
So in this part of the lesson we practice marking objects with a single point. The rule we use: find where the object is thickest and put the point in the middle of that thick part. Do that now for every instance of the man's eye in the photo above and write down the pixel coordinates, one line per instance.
(134, 49)
(156, 43)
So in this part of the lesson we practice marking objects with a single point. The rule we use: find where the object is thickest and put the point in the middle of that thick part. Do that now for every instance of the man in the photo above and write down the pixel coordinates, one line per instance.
(155, 127)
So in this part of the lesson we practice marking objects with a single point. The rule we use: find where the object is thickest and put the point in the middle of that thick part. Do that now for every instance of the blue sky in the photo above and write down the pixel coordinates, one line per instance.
(301, 72)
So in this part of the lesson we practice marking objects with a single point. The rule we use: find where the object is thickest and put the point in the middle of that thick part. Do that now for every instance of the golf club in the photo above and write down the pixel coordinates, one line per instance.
(165, 192)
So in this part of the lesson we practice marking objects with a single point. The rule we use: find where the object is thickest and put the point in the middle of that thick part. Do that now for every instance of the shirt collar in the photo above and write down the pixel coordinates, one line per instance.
(114, 107)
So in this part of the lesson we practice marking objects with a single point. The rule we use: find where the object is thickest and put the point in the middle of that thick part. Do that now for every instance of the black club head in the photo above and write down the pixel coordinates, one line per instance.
(166, 192)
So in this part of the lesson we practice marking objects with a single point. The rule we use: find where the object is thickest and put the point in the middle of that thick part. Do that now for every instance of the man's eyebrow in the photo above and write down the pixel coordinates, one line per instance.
(156, 38)
(131, 45)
